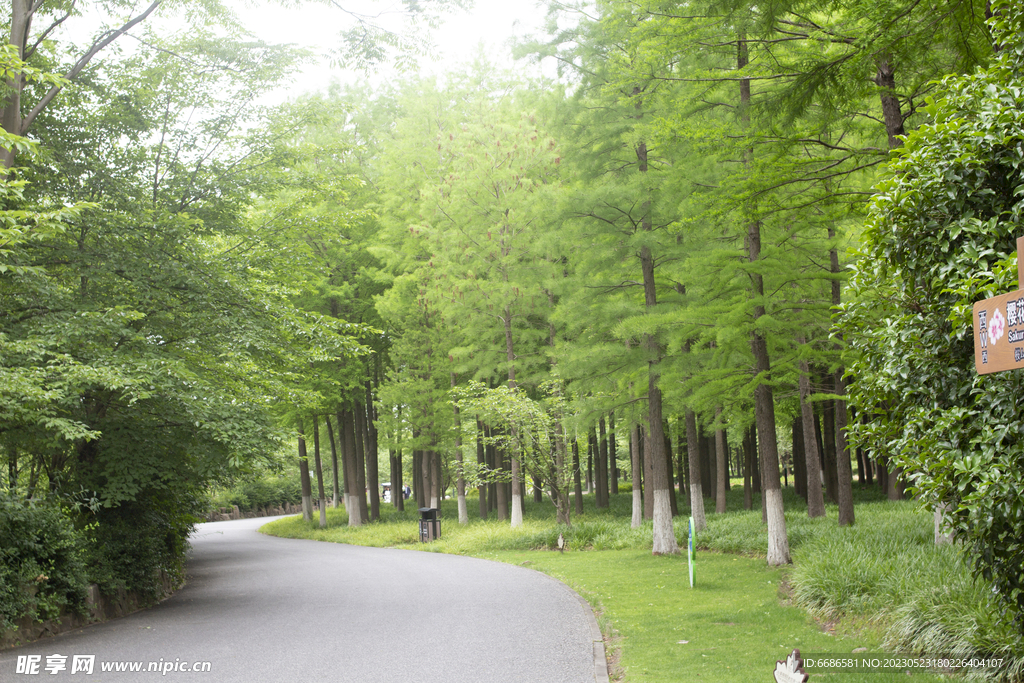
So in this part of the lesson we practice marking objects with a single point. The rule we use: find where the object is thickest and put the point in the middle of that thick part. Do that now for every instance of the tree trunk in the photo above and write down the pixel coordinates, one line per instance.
(437, 487)
(712, 461)
(696, 488)
(684, 461)
(723, 466)
(307, 488)
(21, 21)
(942, 536)
(397, 475)
(577, 484)
(336, 484)
(460, 481)
(764, 408)
(319, 473)
(372, 468)
(347, 449)
(592, 465)
(799, 459)
(815, 501)
(648, 475)
(560, 487)
(397, 484)
(844, 473)
(517, 485)
(764, 401)
(748, 467)
(481, 461)
(12, 470)
(557, 470)
(885, 79)
(893, 484)
(636, 466)
(501, 489)
(350, 439)
(755, 461)
(613, 458)
(669, 474)
(707, 481)
(517, 491)
(359, 433)
(828, 421)
(664, 537)
(868, 465)
(426, 474)
(602, 465)
(415, 482)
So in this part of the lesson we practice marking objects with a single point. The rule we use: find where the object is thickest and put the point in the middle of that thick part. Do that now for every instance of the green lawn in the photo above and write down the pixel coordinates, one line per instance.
(731, 627)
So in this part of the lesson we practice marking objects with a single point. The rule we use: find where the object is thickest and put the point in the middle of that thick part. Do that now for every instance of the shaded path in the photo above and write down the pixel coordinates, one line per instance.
(265, 609)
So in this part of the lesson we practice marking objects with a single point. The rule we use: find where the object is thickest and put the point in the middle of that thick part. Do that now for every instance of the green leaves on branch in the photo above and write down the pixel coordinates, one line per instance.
(940, 236)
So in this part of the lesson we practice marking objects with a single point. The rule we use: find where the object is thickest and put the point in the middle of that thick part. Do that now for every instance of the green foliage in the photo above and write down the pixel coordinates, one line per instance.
(888, 570)
(42, 561)
(144, 345)
(941, 235)
(267, 491)
(140, 544)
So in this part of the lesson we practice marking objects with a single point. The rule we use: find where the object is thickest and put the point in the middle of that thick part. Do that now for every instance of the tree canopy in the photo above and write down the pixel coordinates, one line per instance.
(486, 275)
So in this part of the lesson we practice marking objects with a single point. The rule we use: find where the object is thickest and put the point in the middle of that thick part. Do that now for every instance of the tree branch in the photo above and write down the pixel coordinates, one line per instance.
(100, 43)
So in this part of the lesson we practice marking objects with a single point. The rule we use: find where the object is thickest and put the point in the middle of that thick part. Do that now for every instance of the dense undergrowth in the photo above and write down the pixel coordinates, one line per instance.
(270, 490)
(50, 551)
(884, 573)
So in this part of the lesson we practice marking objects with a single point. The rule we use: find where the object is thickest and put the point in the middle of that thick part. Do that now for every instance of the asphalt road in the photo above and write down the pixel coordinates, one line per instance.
(263, 609)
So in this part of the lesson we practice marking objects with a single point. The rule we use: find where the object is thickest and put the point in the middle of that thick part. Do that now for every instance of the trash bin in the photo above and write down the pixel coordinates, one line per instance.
(430, 525)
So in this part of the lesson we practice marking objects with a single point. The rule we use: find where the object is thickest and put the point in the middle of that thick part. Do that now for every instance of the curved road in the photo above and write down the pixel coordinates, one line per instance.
(263, 609)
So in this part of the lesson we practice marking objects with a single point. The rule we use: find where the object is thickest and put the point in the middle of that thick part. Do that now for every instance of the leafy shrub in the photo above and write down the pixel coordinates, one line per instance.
(41, 550)
(135, 545)
(267, 491)
(941, 236)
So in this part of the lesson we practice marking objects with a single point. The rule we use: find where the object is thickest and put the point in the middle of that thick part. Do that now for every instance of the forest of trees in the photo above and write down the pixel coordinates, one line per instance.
(517, 285)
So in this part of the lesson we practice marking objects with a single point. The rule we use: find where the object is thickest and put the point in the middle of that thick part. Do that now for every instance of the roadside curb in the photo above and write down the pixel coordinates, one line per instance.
(600, 658)
(601, 674)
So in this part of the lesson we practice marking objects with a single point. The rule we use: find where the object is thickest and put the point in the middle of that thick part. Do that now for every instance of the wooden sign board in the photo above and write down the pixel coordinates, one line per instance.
(999, 327)
(999, 333)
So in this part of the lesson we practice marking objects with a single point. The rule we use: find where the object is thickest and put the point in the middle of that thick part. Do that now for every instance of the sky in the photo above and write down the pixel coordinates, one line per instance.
(491, 23)
(315, 25)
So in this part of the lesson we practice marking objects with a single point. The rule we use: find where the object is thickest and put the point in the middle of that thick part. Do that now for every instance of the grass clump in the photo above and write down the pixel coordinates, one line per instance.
(888, 570)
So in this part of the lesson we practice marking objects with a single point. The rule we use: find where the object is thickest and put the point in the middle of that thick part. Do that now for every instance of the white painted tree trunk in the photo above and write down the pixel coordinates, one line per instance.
(778, 542)
(355, 518)
(664, 533)
(942, 536)
(696, 489)
(463, 512)
(635, 469)
(517, 510)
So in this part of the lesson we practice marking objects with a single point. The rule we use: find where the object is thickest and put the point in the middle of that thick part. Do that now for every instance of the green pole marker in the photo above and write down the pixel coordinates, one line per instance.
(689, 552)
